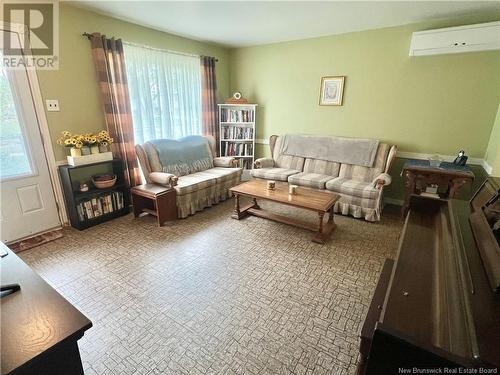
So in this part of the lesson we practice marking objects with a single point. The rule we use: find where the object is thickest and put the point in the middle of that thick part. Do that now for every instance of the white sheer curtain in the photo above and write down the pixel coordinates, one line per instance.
(165, 93)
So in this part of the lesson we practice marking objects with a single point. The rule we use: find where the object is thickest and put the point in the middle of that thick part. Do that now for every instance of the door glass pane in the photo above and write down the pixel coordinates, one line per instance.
(14, 160)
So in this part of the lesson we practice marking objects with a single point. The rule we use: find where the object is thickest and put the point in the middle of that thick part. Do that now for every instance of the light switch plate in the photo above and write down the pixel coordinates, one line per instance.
(52, 105)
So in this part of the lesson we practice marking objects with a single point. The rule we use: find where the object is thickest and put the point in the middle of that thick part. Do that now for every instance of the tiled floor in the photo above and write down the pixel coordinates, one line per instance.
(213, 295)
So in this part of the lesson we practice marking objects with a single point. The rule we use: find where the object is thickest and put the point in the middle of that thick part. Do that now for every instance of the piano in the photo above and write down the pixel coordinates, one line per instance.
(436, 307)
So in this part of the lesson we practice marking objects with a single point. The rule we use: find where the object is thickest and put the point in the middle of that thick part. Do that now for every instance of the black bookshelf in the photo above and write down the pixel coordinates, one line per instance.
(73, 197)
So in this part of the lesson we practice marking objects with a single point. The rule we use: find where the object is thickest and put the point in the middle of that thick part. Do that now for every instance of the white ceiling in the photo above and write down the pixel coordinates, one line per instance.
(246, 23)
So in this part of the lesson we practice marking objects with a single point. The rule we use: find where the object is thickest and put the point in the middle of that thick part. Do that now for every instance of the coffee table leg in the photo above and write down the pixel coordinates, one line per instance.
(324, 230)
(236, 213)
(255, 204)
(320, 228)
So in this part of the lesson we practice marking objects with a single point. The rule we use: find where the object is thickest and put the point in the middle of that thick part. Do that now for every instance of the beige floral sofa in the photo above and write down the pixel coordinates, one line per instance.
(359, 187)
(190, 166)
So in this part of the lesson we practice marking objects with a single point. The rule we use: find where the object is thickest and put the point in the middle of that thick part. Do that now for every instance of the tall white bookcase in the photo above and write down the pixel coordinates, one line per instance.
(237, 132)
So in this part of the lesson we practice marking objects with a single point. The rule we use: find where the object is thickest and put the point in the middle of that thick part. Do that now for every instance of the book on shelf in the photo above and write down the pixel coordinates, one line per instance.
(102, 204)
(245, 163)
(237, 132)
(237, 115)
(236, 149)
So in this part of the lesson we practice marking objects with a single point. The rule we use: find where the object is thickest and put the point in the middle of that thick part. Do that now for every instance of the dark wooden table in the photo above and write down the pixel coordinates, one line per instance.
(156, 200)
(40, 328)
(420, 173)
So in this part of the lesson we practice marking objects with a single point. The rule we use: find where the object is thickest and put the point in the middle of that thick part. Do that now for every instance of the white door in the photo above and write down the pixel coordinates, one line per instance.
(27, 199)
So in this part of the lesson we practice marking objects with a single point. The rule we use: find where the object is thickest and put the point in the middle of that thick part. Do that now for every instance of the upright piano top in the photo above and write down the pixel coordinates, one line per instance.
(439, 296)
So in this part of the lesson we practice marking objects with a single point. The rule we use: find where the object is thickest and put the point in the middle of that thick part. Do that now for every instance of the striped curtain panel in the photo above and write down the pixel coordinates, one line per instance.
(111, 75)
(209, 98)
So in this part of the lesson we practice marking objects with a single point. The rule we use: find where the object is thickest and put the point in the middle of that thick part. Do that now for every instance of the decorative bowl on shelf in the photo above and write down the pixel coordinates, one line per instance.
(104, 181)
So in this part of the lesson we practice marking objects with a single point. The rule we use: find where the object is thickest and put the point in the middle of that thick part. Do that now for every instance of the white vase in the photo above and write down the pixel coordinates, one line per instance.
(75, 152)
(94, 149)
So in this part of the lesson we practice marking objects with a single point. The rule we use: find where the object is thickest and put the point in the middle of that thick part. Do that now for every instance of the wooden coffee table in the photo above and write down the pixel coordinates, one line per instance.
(306, 198)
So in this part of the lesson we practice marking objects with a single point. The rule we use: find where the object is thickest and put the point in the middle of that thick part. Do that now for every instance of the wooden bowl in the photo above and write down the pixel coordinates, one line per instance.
(104, 184)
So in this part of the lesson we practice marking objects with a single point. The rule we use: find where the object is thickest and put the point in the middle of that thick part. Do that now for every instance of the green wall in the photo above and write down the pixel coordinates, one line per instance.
(433, 104)
(75, 85)
(493, 151)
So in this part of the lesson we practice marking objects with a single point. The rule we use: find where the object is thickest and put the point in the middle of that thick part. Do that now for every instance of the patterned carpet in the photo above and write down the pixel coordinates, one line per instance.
(213, 295)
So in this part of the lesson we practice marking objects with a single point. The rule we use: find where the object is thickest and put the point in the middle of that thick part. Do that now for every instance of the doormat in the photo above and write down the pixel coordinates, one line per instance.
(35, 241)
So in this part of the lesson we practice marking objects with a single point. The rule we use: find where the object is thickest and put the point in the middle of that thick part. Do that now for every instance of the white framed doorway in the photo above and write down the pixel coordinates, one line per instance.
(30, 195)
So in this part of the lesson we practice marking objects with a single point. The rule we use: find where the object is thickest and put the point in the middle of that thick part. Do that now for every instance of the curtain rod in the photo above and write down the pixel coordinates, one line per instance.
(152, 48)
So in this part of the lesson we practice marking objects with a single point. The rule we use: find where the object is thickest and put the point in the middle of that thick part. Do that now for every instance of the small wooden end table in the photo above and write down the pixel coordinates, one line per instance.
(306, 198)
(420, 173)
(156, 200)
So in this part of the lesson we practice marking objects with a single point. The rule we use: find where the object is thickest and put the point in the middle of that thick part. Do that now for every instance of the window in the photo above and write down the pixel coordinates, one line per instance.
(165, 93)
(14, 158)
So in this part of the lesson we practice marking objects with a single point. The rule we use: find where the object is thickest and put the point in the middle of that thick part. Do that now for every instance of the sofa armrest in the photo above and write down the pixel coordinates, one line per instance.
(225, 161)
(165, 179)
(263, 163)
(382, 179)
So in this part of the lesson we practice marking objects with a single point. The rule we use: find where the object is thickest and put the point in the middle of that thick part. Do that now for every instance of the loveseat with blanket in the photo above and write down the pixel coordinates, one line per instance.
(189, 165)
(355, 168)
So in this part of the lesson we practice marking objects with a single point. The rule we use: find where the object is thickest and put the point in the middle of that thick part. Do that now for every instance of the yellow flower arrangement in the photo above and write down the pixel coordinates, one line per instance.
(103, 138)
(79, 140)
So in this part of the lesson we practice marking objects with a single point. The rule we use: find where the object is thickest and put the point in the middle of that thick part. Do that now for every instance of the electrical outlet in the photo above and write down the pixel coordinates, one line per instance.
(52, 105)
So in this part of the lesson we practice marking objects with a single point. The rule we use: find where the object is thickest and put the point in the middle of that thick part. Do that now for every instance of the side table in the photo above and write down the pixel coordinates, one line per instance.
(419, 174)
(156, 200)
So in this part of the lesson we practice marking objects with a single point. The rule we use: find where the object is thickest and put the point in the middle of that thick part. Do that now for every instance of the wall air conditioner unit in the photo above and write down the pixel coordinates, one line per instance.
(470, 38)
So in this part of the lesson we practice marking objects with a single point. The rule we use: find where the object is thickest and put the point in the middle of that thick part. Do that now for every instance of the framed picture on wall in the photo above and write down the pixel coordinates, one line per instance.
(332, 90)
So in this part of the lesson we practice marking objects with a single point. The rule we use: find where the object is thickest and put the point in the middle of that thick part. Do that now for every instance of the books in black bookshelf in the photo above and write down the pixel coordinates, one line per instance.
(99, 205)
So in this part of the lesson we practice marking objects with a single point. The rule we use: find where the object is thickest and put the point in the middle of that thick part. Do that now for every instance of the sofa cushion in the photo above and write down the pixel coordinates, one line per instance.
(280, 174)
(289, 162)
(313, 180)
(222, 174)
(354, 188)
(366, 174)
(286, 161)
(154, 160)
(194, 182)
(329, 168)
